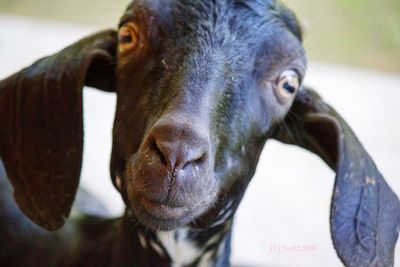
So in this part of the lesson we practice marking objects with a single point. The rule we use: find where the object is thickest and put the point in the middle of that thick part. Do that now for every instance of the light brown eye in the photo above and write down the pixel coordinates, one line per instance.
(128, 37)
(287, 86)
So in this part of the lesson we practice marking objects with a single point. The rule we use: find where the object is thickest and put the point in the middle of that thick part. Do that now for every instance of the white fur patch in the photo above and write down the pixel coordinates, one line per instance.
(206, 259)
(143, 242)
(181, 249)
(223, 219)
(157, 248)
(228, 212)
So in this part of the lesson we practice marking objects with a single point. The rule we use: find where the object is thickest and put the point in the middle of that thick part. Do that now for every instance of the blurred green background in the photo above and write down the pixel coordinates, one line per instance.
(363, 33)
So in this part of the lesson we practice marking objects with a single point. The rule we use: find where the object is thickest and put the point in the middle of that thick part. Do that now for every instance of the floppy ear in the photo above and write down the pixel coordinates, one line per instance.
(41, 132)
(365, 213)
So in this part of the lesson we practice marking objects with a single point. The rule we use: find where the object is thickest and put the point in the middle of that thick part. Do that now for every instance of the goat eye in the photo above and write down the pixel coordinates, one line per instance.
(128, 37)
(287, 86)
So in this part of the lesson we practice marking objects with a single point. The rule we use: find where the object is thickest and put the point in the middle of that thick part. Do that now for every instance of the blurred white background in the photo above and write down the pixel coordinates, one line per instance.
(287, 203)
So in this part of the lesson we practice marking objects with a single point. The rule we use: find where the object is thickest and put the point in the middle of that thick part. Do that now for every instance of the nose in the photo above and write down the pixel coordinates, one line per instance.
(174, 162)
(179, 145)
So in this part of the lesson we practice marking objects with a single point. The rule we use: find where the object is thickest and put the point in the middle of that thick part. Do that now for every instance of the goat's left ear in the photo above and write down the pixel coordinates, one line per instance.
(365, 213)
(41, 125)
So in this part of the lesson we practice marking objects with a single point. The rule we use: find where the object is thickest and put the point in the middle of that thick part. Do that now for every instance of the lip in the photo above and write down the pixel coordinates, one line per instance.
(162, 211)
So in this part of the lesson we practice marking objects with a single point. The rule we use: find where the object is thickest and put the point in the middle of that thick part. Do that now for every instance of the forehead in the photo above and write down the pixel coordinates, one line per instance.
(240, 32)
(245, 18)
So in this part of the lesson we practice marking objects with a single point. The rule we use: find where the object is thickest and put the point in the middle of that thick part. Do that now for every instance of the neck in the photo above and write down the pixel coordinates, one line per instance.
(180, 247)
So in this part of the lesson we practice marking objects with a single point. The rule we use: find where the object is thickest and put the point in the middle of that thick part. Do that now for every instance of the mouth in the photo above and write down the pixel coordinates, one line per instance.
(162, 211)
(164, 217)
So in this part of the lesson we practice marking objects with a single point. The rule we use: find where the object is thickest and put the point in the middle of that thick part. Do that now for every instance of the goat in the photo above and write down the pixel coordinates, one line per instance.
(201, 86)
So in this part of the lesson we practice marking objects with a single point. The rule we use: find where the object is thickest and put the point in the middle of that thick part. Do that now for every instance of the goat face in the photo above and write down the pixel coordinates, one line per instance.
(200, 86)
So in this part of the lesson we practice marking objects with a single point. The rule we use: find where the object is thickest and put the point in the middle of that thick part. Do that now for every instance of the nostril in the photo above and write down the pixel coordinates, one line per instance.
(196, 162)
(157, 151)
(200, 160)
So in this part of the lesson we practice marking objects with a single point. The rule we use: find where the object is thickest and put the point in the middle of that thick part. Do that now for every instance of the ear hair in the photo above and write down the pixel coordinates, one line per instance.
(41, 133)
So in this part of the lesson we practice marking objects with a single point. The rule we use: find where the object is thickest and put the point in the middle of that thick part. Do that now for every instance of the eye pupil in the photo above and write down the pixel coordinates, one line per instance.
(289, 88)
(125, 39)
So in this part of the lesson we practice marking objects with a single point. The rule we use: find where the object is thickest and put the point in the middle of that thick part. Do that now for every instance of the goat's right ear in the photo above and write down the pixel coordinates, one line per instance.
(41, 132)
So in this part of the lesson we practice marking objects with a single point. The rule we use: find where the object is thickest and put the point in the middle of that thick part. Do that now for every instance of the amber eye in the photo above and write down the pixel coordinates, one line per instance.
(287, 86)
(128, 37)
